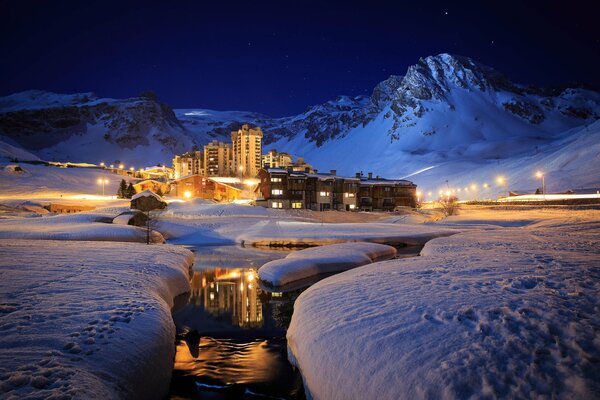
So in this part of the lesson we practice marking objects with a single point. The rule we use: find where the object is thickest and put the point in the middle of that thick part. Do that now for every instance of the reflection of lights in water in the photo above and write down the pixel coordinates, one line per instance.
(228, 292)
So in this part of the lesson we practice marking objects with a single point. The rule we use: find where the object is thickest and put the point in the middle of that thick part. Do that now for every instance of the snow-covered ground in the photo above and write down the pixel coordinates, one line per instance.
(323, 259)
(201, 223)
(40, 181)
(80, 226)
(88, 319)
(507, 311)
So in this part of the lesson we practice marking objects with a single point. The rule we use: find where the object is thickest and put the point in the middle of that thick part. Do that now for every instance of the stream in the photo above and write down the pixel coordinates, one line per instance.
(231, 331)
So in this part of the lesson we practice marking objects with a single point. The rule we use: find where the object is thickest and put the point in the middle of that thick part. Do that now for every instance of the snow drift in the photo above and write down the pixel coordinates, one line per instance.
(88, 319)
(324, 259)
(509, 312)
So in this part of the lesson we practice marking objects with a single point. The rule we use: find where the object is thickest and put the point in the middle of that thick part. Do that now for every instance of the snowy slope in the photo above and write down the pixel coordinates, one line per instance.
(85, 128)
(465, 123)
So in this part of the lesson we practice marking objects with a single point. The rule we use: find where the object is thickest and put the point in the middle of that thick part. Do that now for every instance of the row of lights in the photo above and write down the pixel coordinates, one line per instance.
(121, 166)
(501, 180)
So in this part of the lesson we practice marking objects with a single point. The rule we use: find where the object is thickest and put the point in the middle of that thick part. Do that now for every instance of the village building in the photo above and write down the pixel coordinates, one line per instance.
(247, 151)
(275, 159)
(190, 163)
(288, 189)
(156, 172)
(157, 186)
(218, 159)
(197, 186)
(301, 166)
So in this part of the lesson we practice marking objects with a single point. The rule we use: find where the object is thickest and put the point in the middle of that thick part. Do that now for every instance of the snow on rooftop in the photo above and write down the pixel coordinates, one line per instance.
(147, 193)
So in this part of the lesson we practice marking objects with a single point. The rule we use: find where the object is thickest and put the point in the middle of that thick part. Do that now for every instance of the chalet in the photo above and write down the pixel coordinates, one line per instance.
(157, 186)
(285, 188)
(198, 186)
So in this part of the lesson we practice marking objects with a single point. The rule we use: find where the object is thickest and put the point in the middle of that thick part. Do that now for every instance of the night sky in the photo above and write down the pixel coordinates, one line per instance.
(277, 58)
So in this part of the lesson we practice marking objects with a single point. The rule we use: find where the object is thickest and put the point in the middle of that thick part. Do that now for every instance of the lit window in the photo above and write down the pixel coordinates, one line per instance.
(277, 204)
(352, 206)
(275, 179)
(276, 192)
(349, 195)
(296, 205)
(324, 194)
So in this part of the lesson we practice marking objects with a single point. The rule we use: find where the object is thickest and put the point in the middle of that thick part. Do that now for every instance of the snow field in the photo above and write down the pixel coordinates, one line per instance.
(88, 319)
(80, 226)
(325, 259)
(508, 312)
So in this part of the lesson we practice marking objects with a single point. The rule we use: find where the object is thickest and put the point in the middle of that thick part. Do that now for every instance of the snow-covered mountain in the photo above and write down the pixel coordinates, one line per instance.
(448, 119)
(84, 128)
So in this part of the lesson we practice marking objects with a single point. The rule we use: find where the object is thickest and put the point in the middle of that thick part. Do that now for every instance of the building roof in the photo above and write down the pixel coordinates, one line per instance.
(327, 177)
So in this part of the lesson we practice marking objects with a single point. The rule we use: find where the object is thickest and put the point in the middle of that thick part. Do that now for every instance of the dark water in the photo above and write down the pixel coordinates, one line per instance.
(231, 332)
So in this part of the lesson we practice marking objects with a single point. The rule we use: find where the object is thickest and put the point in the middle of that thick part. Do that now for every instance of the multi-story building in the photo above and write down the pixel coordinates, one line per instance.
(301, 166)
(285, 188)
(247, 151)
(190, 163)
(275, 159)
(218, 159)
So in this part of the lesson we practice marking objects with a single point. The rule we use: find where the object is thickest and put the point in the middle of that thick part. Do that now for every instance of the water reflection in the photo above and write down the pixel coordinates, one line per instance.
(228, 293)
(231, 332)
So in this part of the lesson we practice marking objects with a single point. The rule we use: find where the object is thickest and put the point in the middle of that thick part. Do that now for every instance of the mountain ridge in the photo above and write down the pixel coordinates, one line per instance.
(445, 109)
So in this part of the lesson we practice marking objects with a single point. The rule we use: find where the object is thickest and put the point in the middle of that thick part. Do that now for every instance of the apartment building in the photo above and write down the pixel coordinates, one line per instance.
(190, 163)
(276, 159)
(247, 151)
(218, 159)
(285, 188)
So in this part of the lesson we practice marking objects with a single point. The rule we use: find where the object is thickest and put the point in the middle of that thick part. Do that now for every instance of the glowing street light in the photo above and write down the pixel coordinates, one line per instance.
(102, 181)
(121, 166)
(102, 164)
(541, 175)
(418, 197)
(187, 194)
(502, 181)
(131, 169)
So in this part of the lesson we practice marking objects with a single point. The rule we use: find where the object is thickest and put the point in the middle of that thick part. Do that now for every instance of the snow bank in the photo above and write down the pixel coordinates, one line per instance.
(325, 259)
(509, 313)
(81, 226)
(88, 319)
(292, 233)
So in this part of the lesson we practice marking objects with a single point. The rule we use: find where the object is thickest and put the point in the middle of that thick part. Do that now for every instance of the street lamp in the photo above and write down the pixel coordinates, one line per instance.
(541, 175)
(502, 181)
(102, 181)
(121, 166)
(418, 197)
(241, 168)
(102, 164)
(474, 189)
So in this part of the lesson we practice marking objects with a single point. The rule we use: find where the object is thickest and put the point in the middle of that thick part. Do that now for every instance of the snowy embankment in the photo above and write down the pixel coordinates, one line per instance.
(325, 259)
(508, 312)
(295, 233)
(80, 226)
(199, 223)
(88, 319)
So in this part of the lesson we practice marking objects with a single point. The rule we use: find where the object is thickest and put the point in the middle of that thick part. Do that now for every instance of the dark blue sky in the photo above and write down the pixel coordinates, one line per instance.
(279, 58)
